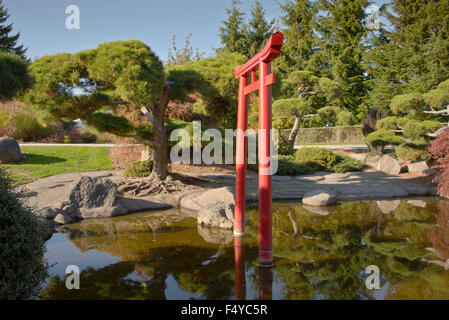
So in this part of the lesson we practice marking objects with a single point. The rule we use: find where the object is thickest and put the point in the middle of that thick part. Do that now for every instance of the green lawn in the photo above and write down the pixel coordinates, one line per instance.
(332, 143)
(47, 161)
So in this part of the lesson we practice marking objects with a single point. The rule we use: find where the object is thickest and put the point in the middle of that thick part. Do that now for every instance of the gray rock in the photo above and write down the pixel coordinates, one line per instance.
(321, 211)
(429, 171)
(215, 235)
(198, 200)
(417, 203)
(48, 213)
(89, 192)
(63, 219)
(387, 206)
(101, 212)
(418, 167)
(389, 165)
(372, 161)
(9, 151)
(319, 198)
(217, 214)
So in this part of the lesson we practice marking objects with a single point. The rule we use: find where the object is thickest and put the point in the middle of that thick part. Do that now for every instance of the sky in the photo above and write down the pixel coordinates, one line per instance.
(42, 23)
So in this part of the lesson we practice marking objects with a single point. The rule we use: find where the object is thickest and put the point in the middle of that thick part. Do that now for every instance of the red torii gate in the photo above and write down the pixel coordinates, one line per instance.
(262, 62)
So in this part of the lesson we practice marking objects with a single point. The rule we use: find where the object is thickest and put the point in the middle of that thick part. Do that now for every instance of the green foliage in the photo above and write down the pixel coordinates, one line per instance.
(25, 126)
(438, 98)
(317, 158)
(233, 33)
(212, 78)
(258, 30)
(23, 268)
(14, 75)
(139, 169)
(379, 139)
(411, 55)
(406, 102)
(413, 151)
(105, 122)
(88, 137)
(284, 146)
(287, 166)
(418, 129)
(8, 42)
(347, 164)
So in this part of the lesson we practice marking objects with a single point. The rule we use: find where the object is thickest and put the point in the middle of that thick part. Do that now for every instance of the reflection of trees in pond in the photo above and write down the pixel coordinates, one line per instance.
(151, 251)
(315, 256)
(326, 255)
(439, 235)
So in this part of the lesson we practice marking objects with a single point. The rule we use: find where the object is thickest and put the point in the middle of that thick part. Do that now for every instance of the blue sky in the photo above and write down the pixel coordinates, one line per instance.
(42, 23)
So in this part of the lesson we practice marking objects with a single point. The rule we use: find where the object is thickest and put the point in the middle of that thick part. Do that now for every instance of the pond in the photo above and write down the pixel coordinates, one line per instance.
(319, 253)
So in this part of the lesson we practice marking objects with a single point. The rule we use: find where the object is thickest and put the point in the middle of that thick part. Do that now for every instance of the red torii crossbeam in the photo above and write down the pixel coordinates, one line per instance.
(246, 73)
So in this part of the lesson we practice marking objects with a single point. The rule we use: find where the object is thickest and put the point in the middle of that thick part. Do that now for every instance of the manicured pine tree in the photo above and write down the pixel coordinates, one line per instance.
(233, 33)
(9, 42)
(259, 29)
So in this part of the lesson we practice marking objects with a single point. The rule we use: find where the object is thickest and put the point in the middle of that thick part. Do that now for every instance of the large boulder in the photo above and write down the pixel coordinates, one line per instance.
(88, 192)
(319, 198)
(217, 214)
(9, 151)
(389, 165)
(197, 200)
(420, 167)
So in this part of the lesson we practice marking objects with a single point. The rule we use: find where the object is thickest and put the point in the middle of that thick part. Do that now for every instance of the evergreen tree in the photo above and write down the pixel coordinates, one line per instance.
(342, 32)
(412, 55)
(233, 33)
(259, 29)
(8, 43)
(299, 19)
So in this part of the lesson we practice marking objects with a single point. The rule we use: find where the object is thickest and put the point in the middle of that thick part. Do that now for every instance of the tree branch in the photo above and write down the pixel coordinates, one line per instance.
(144, 141)
(147, 114)
(437, 111)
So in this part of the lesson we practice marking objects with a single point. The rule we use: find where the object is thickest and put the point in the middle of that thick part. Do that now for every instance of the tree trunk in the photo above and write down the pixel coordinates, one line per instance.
(295, 129)
(160, 148)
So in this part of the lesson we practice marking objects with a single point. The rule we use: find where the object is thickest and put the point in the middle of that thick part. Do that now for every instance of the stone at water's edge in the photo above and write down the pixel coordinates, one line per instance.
(89, 192)
(197, 200)
(9, 151)
(319, 198)
(387, 206)
(217, 214)
(389, 165)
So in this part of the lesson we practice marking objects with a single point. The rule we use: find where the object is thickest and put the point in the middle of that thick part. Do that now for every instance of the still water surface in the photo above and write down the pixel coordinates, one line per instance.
(319, 253)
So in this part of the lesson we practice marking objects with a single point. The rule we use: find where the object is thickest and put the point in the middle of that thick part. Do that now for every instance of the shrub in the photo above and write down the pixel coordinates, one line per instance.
(317, 158)
(413, 151)
(347, 164)
(379, 139)
(287, 166)
(284, 146)
(139, 169)
(439, 152)
(88, 137)
(25, 126)
(22, 246)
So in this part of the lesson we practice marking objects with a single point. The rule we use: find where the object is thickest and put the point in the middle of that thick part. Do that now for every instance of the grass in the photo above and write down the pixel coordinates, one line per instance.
(45, 161)
(332, 143)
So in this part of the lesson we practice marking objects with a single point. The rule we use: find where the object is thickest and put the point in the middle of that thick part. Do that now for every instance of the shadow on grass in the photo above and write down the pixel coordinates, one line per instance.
(42, 159)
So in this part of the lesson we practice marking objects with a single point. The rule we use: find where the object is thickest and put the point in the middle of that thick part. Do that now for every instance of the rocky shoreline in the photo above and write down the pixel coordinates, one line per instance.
(69, 198)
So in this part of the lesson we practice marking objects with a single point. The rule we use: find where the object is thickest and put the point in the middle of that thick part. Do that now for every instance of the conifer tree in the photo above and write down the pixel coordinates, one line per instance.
(299, 19)
(9, 42)
(259, 29)
(233, 33)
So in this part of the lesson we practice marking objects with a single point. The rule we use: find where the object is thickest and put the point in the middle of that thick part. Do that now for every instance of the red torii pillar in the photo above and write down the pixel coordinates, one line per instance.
(246, 73)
